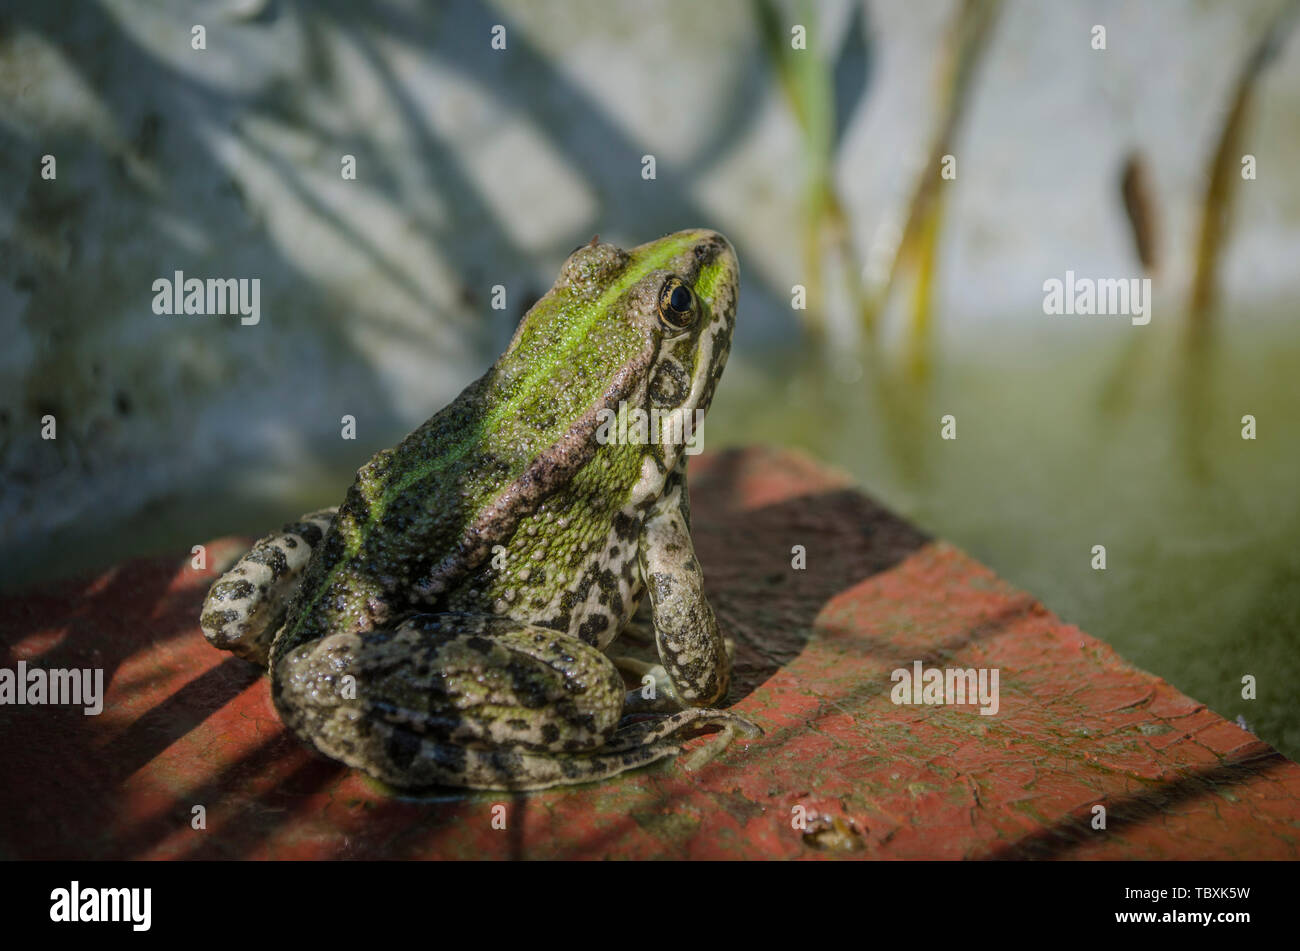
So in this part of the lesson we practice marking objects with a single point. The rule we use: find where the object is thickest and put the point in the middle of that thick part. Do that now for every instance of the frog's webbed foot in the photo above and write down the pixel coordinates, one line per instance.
(654, 733)
(246, 605)
(664, 700)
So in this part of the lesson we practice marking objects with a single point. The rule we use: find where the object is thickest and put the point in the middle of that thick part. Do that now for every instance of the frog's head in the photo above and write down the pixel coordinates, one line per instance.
(642, 329)
(663, 320)
(684, 299)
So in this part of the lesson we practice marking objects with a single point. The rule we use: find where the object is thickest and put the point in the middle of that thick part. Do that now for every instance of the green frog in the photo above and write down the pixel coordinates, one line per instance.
(448, 623)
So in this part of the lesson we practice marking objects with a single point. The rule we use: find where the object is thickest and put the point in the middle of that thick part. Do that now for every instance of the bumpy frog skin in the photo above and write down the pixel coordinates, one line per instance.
(447, 624)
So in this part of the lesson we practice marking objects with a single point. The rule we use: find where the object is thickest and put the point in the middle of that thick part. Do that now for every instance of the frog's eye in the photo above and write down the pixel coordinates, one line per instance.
(676, 304)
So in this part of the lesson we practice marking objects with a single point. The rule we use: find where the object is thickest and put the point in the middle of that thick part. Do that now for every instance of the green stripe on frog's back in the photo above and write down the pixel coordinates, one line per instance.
(543, 362)
(526, 425)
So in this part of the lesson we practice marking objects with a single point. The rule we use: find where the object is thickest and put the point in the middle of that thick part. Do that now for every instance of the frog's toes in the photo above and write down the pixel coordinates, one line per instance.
(716, 744)
(658, 733)
(247, 604)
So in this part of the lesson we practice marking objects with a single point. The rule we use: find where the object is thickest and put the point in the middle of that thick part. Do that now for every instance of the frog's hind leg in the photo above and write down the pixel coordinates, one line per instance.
(246, 605)
(631, 747)
(424, 761)
(473, 701)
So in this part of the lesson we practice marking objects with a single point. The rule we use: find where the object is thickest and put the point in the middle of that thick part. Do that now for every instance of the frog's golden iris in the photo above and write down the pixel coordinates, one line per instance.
(677, 308)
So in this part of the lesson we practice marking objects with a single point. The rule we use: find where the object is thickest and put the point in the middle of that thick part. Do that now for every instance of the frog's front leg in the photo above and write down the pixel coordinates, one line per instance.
(695, 659)
(246, 606)
(691, 649)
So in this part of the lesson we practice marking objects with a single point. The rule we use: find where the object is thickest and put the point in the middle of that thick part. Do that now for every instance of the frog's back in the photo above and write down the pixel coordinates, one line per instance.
(420, 517)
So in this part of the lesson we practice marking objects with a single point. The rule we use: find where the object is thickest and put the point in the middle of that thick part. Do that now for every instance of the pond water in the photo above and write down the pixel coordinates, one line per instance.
(1074, 440)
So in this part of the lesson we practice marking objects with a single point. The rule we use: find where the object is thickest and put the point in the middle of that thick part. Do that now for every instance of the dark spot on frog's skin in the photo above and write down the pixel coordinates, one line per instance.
(451, 757)
(609, 591)
(507, 763)
(402, 748)
(334, 550)
(662, 583)
(669, 386)
(625, 527)
(214, 620)
(518, 725)
(272, 558)
(237, 590)
(634, 757)
(582, 721)
(572, 746)
(593, 627)
(309, 532)
(355, 507)
(480, 644)
(528, 685)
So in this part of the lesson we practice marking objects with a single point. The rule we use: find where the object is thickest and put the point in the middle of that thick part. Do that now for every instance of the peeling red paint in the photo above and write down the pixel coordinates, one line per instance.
(185, 725)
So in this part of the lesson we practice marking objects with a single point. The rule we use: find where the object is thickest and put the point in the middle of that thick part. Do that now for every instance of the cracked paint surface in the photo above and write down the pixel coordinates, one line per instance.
(185, 725)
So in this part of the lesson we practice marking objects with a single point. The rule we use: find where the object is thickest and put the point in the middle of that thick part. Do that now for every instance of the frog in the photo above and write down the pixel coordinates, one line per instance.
(450, 623)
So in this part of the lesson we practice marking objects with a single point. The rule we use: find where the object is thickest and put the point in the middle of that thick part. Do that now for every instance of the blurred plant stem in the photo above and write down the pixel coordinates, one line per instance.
(918, 328)
(1142, 208)
(806, 79)
(1197, 371)
(916, 252)
(1217, 206)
